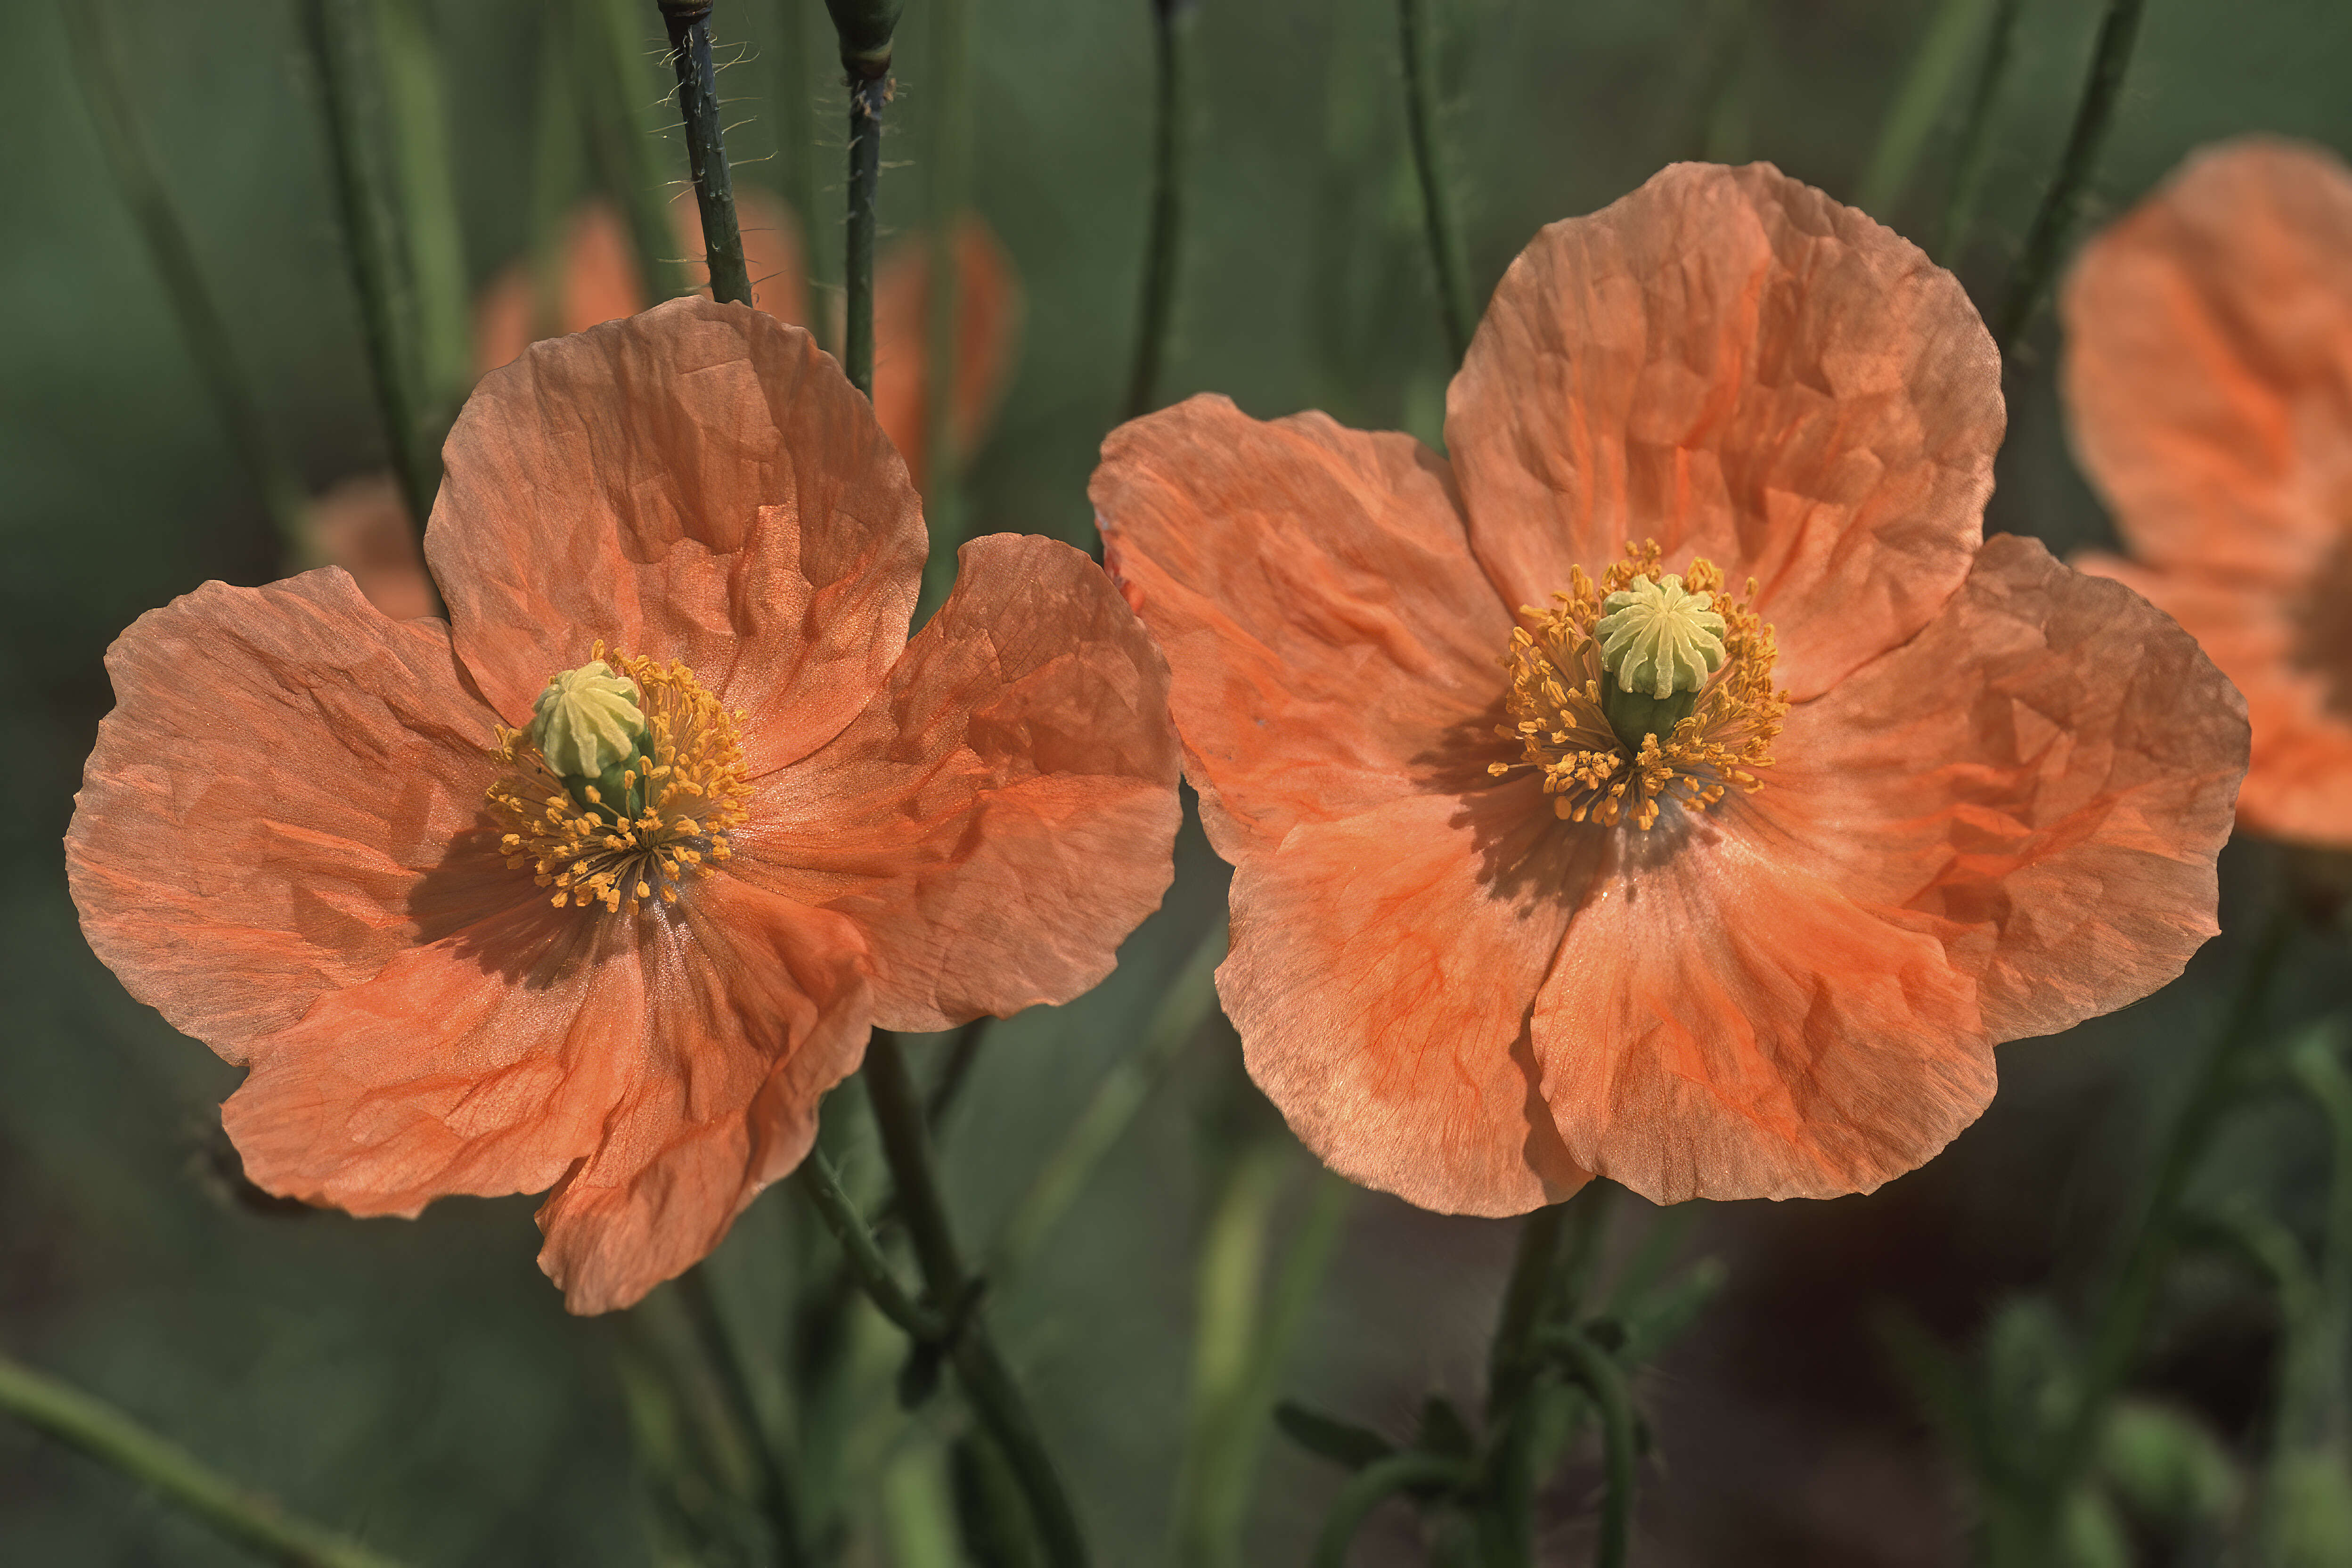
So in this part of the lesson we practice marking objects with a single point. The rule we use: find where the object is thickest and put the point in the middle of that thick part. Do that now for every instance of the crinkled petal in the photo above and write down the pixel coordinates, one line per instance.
(1723, 1023)
(699, 483)
(264, 815)
(1734, 364)
(2299, 774)
(987, 325)
(1002, 815)
(2208, 337)
(758, 1008)
(1333, 642)
(2047, 773)
(1382, 974)
(599, 280)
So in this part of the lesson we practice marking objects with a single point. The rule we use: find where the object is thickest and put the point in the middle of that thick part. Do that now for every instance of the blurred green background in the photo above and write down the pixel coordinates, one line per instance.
(419, 1383)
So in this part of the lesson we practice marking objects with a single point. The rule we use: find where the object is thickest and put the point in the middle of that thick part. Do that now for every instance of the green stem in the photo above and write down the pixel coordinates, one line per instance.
(949, 1087)
(113, 1439)
(1436, 212)
(1374, 1485)
(1210, 1483)
(778, 1495)
(428, 207)
(1172, 27)
(1524, 1299)
(1917, 104)
(866, 98)
(2054, 222)
(336, 36)
(2125, 1313)
(795, 123)
(988, 1383)
(1976, 137)
(1605, 1382)
(688, 22)
(1187, 1003)
(138, 179)
(862, 1253)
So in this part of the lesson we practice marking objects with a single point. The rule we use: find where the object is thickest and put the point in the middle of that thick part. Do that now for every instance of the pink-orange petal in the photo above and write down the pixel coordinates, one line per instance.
(1333, 642)
(2299, 774)
(1734, 364)
(1002, 815)
(1723, 1023)
(2207, 336)
(2046, 772)
(698, 482)
(264, 813)
(1381, 977)
(760, 1007)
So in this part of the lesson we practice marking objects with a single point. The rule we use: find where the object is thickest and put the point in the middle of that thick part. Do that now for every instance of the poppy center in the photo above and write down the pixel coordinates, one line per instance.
(1643, 688)
(623, 785)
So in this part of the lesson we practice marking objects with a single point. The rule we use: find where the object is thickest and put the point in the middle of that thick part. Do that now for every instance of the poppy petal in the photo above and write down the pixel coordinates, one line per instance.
(1381, 972)
(1331, 636)
(764, 1012)
(1003, 813)
(263, 815)
(2207, 336)
(1732, 363)
(2299, 779)
(2047, 772)
(987, 325)
(698, 480)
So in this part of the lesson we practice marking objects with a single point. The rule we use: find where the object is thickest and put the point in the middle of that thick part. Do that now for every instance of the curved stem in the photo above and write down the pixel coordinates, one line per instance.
(1170, 26)
(995, 1398)
(949, 1087)
(1372, 1486)
(1975, 138)
(1601, 1378)
(106, 1435)
(1917, 104)
(2055, 219)
(688, 22)
(336, 36)
(138, 178)
(862, 1253)
(1437, 217)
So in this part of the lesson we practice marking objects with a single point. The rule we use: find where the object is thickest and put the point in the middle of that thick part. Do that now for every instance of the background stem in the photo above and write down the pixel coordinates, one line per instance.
(867, 94)
(688, 22)
(113, 1439)
(1976, 137)
(1171, 29)
(2054, 222)
(1436, 210)
(337, 39)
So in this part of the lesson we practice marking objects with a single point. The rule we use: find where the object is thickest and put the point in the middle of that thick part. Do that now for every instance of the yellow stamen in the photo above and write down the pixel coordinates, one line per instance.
(680, 789)
(1611, 744)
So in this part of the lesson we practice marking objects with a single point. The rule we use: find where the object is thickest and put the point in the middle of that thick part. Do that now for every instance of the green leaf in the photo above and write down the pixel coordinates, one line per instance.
(1341, 1442)
(2164, 1464)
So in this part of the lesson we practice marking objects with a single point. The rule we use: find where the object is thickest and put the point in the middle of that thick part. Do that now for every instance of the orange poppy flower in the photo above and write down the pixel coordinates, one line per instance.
(363, 524)
(1720, 867)
(600, 883)
(2209, 336)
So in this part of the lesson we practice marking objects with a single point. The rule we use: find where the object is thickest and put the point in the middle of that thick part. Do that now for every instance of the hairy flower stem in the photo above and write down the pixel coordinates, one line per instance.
(2054, 222)
(2123, 1315)
(779, 1496)
(336, 35)
(113, 1439)
(138, 179)
(1436, 210)
(688, 22)
(948, 1291)
(868, 97)
(1171, 34)
(1558, 1248)
(1976, 136)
